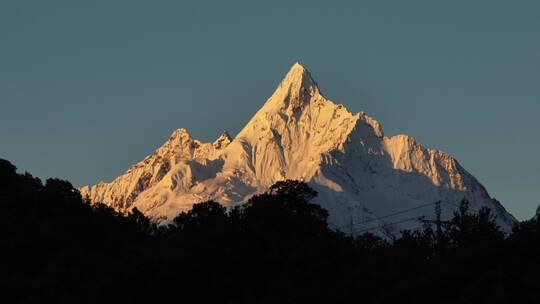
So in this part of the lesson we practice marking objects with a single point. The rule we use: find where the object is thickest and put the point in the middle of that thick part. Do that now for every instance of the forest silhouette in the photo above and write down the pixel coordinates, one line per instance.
(276, 248)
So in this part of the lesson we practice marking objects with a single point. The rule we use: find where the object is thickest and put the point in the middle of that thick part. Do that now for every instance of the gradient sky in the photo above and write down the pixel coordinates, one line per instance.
(88, 88)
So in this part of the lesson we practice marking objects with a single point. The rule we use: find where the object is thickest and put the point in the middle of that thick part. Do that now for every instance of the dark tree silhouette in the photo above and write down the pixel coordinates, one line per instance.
(276, 248)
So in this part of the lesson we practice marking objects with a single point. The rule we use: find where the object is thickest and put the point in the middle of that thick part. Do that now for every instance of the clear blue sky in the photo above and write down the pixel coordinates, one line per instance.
(88, 88)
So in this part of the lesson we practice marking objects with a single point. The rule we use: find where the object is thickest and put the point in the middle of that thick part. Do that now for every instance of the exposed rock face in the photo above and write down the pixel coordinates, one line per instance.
(360, 174)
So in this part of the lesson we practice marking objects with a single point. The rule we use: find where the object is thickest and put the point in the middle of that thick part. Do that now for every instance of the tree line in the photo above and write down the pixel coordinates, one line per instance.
(276, 248)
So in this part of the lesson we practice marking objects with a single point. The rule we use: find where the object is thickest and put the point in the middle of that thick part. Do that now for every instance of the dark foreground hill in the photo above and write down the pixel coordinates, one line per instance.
(277, 248)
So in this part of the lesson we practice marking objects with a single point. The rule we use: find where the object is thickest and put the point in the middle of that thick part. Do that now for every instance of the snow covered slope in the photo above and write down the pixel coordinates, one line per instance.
(363, 177)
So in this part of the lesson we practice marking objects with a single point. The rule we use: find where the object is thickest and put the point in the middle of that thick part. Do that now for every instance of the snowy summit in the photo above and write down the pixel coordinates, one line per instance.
(366, 180)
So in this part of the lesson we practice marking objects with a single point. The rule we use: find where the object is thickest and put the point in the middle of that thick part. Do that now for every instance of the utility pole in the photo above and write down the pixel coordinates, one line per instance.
(438, 222)
(351, 222)
(351, 225)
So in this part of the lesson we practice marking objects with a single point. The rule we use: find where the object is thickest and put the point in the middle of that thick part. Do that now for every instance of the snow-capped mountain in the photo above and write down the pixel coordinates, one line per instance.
(366, 180)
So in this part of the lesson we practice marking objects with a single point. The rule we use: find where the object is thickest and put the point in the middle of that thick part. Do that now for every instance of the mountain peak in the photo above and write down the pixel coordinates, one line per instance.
(225, 134)
(222, 141)
(300, 77)
(298, 67)
(179, 134)
(297, 86)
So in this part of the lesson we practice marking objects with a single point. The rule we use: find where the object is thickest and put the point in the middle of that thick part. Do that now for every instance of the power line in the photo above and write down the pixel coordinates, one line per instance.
(455, 205)
(389, 224)
(350, 226)
(385, 216)
(395, 213)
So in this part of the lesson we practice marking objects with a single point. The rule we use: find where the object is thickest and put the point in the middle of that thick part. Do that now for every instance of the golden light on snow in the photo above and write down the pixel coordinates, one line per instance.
(297, 134)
